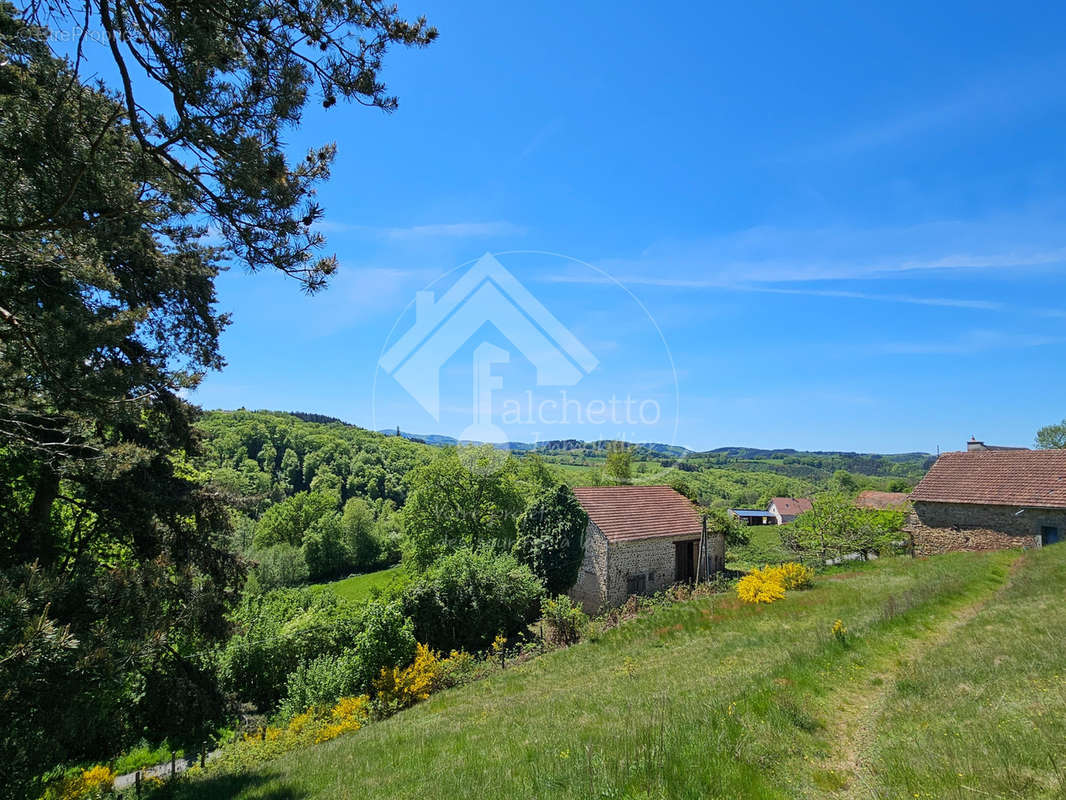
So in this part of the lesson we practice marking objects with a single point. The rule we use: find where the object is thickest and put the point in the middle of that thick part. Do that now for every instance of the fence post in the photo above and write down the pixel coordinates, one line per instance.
(173, 764)
(137, 783)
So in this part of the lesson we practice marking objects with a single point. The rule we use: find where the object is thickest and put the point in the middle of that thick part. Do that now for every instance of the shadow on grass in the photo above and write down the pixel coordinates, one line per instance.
(223, 787)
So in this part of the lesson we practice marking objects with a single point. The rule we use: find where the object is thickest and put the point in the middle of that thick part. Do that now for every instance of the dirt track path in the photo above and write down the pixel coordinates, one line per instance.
(859, 704)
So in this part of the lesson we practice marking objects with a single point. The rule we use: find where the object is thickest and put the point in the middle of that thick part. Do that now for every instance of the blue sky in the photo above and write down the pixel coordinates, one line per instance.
(846, 223)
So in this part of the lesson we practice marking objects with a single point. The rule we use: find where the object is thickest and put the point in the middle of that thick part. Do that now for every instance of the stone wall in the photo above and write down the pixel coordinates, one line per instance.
(607, 567)
(655, 559)
(590, 590)
(943, 527)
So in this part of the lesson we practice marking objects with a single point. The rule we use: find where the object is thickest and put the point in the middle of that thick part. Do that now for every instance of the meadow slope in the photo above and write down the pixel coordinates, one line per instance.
(948, 686)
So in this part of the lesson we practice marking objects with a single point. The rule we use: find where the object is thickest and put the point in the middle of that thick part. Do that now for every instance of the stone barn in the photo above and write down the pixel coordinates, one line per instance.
(640, 539)
(990, 499)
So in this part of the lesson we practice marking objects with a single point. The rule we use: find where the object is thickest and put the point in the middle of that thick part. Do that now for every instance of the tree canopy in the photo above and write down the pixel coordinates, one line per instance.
(834, 527)
(235, 77)
(116, 558)
(551, 538)
(619, 464)
(1052, 437)
(465, 497)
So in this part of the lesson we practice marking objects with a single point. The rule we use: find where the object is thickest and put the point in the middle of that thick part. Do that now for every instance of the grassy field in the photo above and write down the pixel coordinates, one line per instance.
(947, 685)
(358, 588)
(764, 547)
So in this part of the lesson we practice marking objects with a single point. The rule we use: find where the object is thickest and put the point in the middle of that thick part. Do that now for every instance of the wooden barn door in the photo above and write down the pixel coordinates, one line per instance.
(685, 561)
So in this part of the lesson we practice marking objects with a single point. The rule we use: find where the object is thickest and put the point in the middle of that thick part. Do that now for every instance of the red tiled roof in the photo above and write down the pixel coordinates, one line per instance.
(882, 501)
(791, 506)
(1023, 478)
(624, 513)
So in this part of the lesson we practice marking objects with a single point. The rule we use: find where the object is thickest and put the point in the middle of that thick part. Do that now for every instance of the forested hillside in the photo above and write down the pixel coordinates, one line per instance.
(310, 496)
(265, 457)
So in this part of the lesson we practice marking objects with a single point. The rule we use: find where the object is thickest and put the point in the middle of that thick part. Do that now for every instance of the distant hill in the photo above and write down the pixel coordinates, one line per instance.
(812, 465)
(265, 456)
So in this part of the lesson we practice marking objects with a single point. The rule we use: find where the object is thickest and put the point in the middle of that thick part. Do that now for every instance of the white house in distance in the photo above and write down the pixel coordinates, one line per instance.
(786, 509)
(639, 540)
(781, 511)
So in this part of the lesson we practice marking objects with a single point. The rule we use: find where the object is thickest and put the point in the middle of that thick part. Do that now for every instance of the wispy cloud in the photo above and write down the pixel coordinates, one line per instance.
(357, 293)
(465, 230)
(1007, 97)
(779, 257)
(971, 343)
(538, 139)
(943, 302)
(440, 230)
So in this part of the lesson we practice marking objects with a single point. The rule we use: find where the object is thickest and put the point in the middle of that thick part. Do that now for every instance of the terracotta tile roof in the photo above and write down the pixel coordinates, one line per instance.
(792, 506)
(1023, 478)
(882, 501)
(625, 513)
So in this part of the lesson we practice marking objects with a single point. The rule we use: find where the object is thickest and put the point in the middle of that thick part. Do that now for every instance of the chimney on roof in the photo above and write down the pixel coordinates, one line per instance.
(973, 445)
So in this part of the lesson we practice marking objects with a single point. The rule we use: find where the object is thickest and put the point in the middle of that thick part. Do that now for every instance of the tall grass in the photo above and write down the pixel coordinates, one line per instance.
(705, 699)
(982, 713)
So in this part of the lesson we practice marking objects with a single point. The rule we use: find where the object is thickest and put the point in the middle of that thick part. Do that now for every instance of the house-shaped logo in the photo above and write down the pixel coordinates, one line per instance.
(486, 293)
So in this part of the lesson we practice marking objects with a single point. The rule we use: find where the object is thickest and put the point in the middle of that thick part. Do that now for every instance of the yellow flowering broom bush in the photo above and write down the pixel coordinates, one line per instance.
(350, 714)
(791, 575)
(310, 727)
(395, 689)
(770, 583)
(95, 782)
(399, 688)
(759, 587)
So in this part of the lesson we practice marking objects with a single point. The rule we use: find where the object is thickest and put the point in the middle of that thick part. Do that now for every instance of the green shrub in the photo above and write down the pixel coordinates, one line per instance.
(277, 567)
(551, 538)
(460, 667)
(320, 682)
(276, 633)
(566, 622)
(465, 599)
(385, 640)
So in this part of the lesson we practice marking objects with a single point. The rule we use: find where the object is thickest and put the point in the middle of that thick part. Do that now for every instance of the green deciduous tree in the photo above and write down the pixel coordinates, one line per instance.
(1052, 437)
(534, 476)
(835, 527)
(829, 527)
(551, 538)
(619, 465)
(290, 520)
(358, 528)
(844, 482)
(466, 497)
(324, 548)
